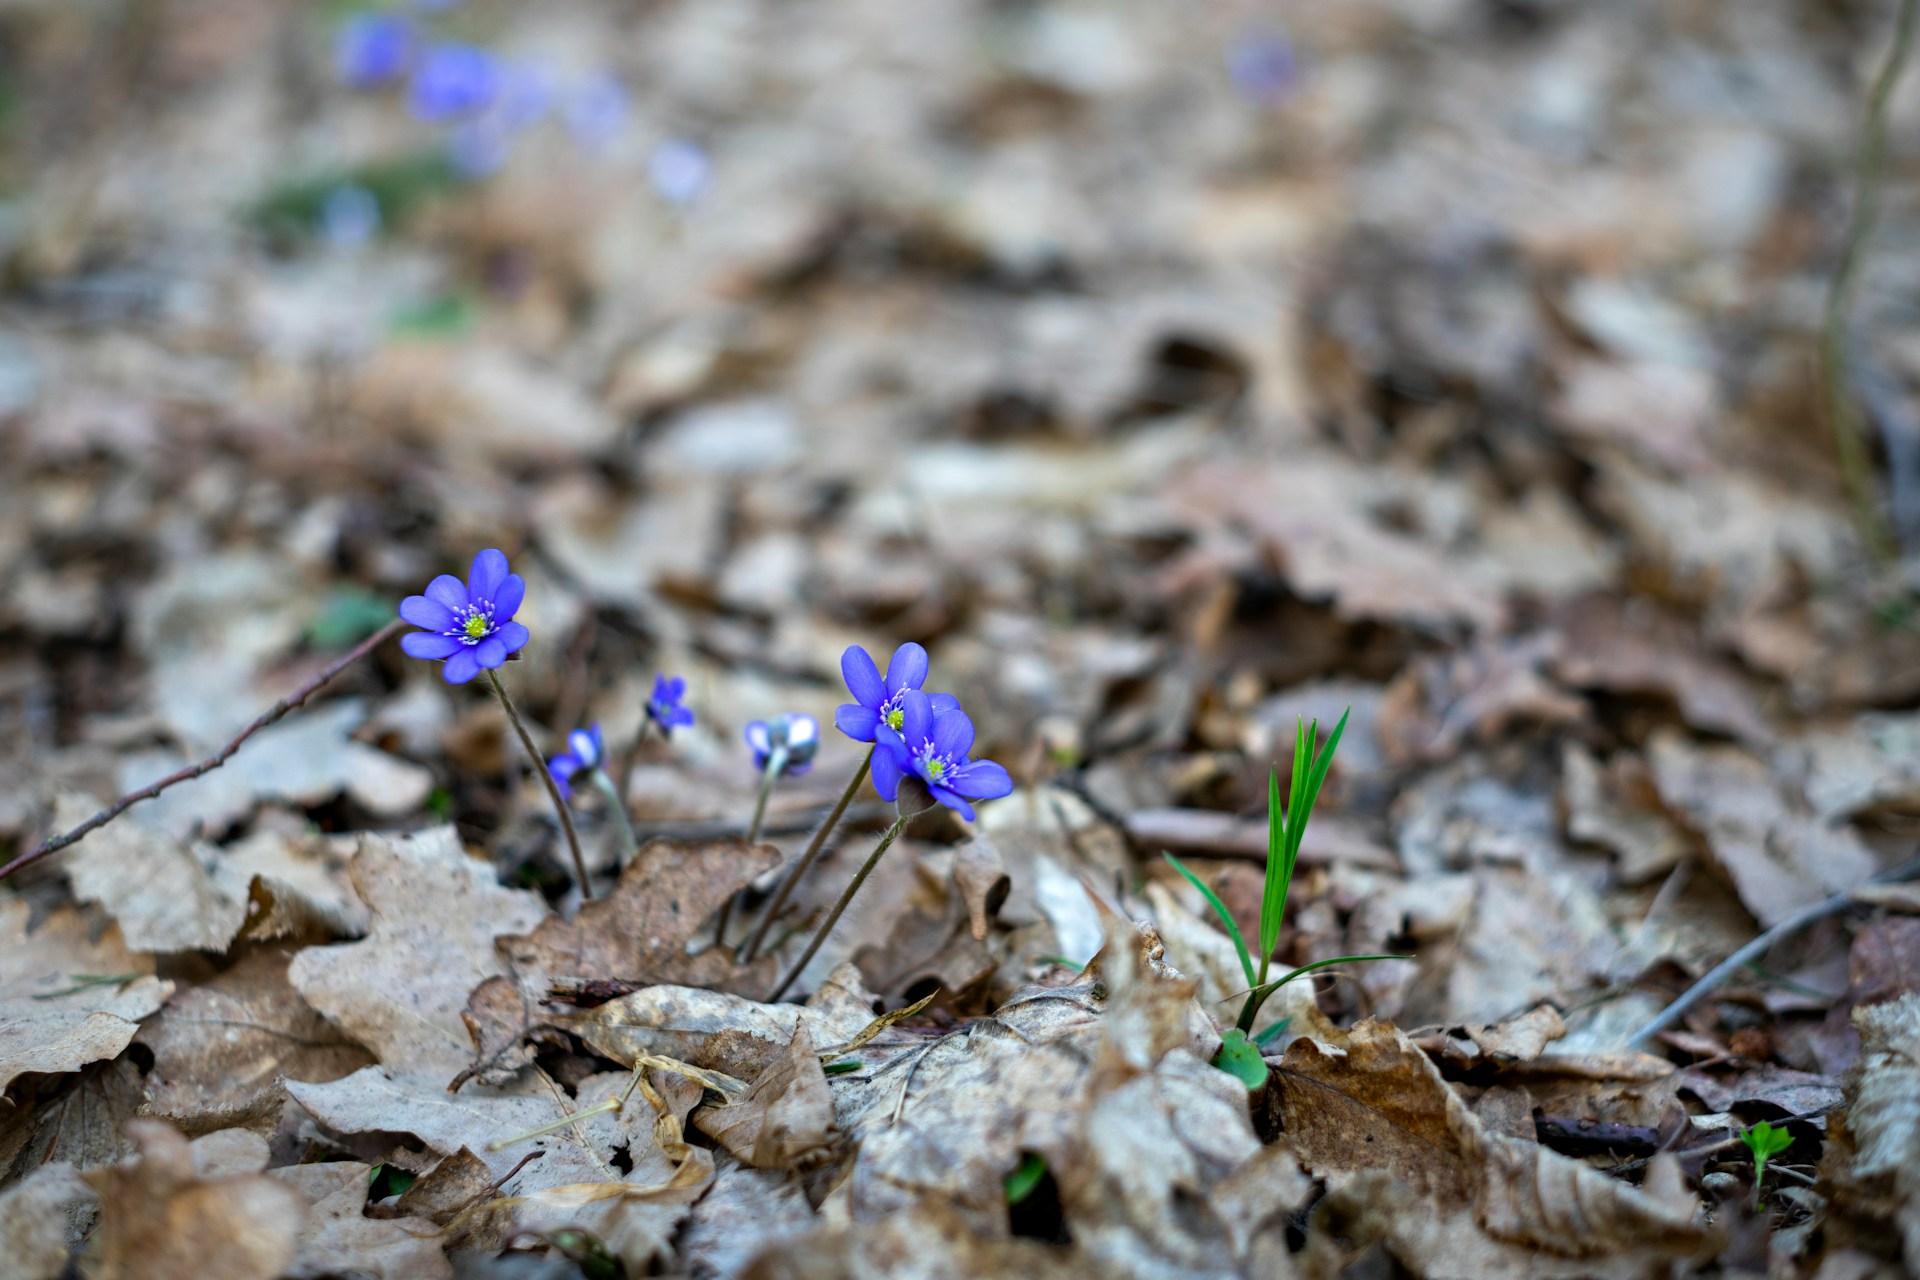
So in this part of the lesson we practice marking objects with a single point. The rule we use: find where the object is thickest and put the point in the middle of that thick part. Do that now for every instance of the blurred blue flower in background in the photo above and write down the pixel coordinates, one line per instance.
(665, 706)
(454, 80)
(798, 733)
(596, 112)
(349, 216)
(678, 170)
(1264, 67)
(372, 49)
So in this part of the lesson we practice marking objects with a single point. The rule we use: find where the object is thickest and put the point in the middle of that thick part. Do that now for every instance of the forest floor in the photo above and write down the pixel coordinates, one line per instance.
(1170, 372)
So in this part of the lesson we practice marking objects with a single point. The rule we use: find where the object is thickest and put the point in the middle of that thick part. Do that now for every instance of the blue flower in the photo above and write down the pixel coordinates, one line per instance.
(372, 49)
(468, 626)
(678, 170)
(596, 112)
(586, 749)
(934, 746)
(454, 80)
(875, 714)
(1263, 67)
(665, 705)
(799, 734)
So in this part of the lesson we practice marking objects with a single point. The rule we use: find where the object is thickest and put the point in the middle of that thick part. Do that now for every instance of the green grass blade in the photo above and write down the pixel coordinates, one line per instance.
(1267, 989)
(1219, 909)
(1315, 778)
(1277, 874)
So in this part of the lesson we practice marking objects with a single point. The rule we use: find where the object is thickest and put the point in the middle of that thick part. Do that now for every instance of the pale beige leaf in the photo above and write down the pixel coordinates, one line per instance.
(339, 1238)
(51, 1018)
(1871, 1169)
(43, 1218)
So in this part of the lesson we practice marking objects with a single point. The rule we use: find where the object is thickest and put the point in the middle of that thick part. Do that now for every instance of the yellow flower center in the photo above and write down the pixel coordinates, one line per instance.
(475, 626)
(938, 768)
(896, 718)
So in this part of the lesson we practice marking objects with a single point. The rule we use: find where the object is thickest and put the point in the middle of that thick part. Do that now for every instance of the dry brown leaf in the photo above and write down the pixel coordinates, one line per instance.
(339, 1238)
(932, 1242)
(401, 990)
(161, 1220)
(980, 876)
(165, 894)
(746, 1212)
(53, 1016)
(785, 1120)
(1617, 807)
(43, 1219)
(1199, 950)
(1632, 648)
(78, 1119)
(1870, 1172)
(1436, 706)
(222, 1049)
(1371, 1115)
(639, 932)
(1520, 1039)
(1780, 858)
(706, 1028)
(634, 1220)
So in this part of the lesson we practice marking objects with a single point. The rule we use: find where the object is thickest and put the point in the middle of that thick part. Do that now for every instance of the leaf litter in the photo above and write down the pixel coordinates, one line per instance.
(1169, 375)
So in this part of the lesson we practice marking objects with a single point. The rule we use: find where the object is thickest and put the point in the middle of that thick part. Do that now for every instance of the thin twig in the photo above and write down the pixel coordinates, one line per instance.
(1843, 413)
(277, 711)
(1718, 975)
(800, 868)
(546, 776)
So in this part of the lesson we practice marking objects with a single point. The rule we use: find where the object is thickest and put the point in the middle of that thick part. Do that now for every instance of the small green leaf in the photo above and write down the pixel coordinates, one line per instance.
(841, 1068)
(1022, 1182)
(1272, 1033)
(1220, 909)
(1240, 1058)
(440, 803)
(1064, 962)
(1258, 996)
(1764, 1141)
(349, 616)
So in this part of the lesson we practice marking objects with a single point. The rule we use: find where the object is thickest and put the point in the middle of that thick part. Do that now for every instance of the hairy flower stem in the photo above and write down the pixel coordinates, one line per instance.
(553, 788)
(807, 859)
(833, 917)
(621, 827)
(776, 764)
(1849, 434)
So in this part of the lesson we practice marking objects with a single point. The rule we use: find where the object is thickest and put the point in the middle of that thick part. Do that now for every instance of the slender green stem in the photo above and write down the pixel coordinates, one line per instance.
(615, 806)
(1849, 435)
(807, 859)
(631, 756)
(776, 763)
(553, 789)
(833, 917)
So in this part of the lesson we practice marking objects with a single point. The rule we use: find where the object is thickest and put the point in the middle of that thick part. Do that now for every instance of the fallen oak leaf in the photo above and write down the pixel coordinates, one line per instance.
(49, 1023)
(785, 1118)
(160, 1219)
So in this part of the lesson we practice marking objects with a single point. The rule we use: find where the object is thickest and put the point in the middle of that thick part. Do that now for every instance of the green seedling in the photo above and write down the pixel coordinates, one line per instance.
(1286, 829)
(1022, 1182)
(1764, 1141)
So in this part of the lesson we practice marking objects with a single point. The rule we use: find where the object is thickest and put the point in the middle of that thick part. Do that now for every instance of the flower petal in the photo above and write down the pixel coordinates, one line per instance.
(981, 780)
(756, 736)
(677, 716)
(427, 644)
(512, 635)
(886, 773)
(952, 734)
(562, 768)
(799, 767)
(449, 591)
(941, 703)
(488, 574)
(916, 719)
(461, 667)
(581, 744)
(856, 721)
(422, 611)
(908, 670)
(803, 733)
(506, 601)
(491, 652)
(953, 800)
(862, 677)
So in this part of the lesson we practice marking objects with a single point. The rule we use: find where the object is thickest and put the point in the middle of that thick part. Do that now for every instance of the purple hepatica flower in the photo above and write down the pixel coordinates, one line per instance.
(468, 626)
(1263, 67)
(678, 170)
(596, 112)
(875, 714)
(665, 705)
(372, 49)
(586, 748)
(934, 748)
(799, 734)
(454, 80)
